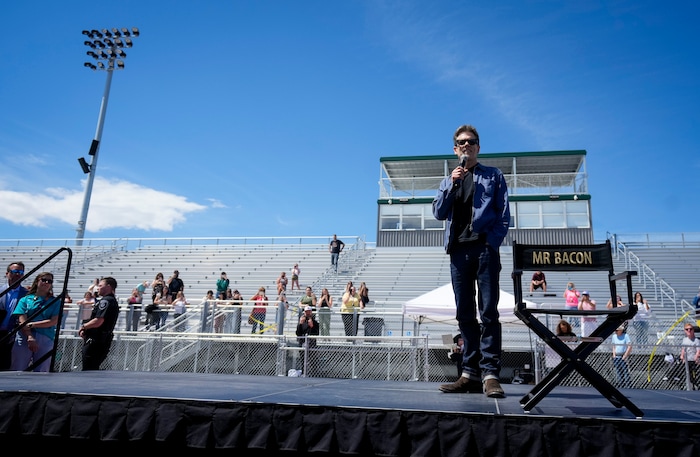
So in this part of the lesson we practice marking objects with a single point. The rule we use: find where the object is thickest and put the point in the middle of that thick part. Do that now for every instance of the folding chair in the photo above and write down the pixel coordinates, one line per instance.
(558, 258)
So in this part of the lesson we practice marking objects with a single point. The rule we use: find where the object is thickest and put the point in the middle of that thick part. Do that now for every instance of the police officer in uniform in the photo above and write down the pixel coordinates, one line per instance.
(97, 332)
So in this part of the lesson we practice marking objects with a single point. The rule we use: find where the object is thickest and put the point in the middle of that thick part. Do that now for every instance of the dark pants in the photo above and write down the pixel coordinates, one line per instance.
(6, 350)
(95, 352)
(258, 319)
(471, 264)
(350, 322)
(133, 318)
(152, 316)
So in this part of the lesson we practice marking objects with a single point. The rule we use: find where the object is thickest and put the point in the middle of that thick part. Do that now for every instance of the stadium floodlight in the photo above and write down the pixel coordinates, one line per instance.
(106, 60)
(84, 165)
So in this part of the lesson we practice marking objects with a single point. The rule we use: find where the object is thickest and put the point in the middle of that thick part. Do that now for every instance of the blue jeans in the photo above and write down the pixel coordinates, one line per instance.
(334, 260)
(258, 320)
(470, 265)
(642, 331)
(622, 372)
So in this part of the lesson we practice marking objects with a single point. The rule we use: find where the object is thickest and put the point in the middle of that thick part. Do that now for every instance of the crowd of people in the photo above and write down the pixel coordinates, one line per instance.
(29, 316)
(226, 303)
(168, 296)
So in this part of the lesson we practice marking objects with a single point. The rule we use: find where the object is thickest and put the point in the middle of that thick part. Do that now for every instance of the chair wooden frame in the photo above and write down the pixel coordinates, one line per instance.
(589, 257)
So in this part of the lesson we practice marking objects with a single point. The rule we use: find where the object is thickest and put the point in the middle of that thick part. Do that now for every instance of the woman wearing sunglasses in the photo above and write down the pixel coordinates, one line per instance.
(36, 338)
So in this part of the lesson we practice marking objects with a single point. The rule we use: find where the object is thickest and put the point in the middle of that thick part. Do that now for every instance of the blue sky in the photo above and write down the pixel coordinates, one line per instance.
(268, 118)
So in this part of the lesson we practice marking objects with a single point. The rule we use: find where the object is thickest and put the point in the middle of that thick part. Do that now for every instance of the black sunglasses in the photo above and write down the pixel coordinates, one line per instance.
(471, 141)
(46, 280)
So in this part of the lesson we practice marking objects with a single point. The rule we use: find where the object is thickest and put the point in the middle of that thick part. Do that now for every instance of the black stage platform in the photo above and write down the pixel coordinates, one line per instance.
(255, 415)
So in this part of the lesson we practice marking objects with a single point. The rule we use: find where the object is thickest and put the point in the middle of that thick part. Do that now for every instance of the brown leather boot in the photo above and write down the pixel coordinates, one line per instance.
(493, 389)
(463, 386)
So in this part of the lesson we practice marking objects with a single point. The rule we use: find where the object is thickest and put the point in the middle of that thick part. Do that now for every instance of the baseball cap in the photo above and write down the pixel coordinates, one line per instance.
(585, 292)
(307, 308)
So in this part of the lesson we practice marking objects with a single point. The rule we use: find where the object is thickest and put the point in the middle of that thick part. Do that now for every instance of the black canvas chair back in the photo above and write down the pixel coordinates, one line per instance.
(528, 258)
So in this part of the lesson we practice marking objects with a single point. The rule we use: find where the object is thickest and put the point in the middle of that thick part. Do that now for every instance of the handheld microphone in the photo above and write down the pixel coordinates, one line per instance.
(463, 160)
(462, 163)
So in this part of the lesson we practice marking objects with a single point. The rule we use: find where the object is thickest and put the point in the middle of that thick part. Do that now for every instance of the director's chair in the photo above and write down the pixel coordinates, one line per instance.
(581, 258)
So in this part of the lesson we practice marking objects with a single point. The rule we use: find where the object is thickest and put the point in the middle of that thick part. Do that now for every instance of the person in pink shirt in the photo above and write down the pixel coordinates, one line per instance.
(571, 295)
(587, 322)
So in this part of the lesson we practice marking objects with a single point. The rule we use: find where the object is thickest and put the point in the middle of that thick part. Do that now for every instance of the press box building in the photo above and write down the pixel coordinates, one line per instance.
(548, 193)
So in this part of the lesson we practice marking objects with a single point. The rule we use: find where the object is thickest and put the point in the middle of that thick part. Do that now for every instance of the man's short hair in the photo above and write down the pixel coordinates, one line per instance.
(462, 129)
(9, 267)
(110, 281)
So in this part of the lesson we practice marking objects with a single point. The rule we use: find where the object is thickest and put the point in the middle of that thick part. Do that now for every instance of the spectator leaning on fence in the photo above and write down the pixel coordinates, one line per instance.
(309, 299)
(351, 303)
(39, 311)
(640, 322)
(622, 347)
(325, 303)
(257, 315)
(690, 352)
(587, 322)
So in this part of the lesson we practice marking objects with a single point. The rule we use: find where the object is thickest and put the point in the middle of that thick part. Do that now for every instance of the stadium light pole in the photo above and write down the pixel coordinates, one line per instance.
(107, 49)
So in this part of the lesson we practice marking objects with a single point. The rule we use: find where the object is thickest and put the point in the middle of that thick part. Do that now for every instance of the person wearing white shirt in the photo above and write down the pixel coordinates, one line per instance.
(690, 353)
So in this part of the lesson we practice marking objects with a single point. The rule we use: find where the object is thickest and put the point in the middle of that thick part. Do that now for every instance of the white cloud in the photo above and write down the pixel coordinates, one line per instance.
(216, 203)
(113, 204)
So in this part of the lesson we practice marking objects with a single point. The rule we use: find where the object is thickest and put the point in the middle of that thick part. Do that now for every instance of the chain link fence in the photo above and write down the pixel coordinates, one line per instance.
(360, 357)
(646, 367)
(382, 358)
(218, 337)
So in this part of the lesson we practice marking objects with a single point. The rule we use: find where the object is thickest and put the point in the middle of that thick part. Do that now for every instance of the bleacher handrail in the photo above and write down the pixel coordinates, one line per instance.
(126, 244)
(662, 289)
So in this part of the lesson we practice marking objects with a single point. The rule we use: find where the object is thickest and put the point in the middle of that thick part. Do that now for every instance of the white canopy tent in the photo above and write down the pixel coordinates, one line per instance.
(438, 305)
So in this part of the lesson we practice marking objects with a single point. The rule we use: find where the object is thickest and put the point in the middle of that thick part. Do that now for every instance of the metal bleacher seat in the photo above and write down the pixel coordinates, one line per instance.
(556, 258)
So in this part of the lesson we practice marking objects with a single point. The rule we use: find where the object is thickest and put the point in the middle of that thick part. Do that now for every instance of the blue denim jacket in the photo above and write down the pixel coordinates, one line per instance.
(491, 213)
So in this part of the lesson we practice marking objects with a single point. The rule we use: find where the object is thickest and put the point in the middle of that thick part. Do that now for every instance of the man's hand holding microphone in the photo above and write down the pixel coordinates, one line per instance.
(459, 172)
